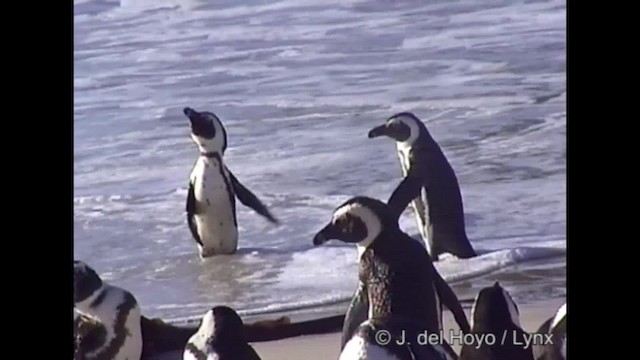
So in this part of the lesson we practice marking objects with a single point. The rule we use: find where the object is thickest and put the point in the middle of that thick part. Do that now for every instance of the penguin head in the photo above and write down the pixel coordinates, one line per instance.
(86, 281)
(220, 324)
(207, 131)
(405, 128)
(494, 308)
(359, 221)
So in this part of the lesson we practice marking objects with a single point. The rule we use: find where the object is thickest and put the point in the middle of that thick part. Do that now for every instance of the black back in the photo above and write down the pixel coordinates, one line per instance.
(228, 340)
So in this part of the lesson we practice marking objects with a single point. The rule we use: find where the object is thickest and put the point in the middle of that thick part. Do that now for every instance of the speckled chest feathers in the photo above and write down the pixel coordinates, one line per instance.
(399, 280)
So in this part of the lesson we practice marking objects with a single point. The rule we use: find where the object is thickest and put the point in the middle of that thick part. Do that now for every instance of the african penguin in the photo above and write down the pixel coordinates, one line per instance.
(429, 184)
(555, 328)
(211, 198)
(396, 275)
(220, 336)
(108, 323)
(389, 338)
(495, 317)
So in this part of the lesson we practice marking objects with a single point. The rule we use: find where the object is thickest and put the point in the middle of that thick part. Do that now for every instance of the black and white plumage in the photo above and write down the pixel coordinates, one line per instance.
(107, 318)
(430, 185)
(212, 192)
(397, 278)
(556, 328)
(395, 344)
(220, 336)
(494, 313)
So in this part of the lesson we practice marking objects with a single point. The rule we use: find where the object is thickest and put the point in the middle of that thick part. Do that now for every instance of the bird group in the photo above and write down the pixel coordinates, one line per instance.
(400, 293)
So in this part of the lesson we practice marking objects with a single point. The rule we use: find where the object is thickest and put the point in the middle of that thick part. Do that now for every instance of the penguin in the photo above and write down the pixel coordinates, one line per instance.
(211, 197)
(389, 338)
(396, 275)
(107, 324)
(430, 184)
(496, 318)
(220, 336)
(554, 328)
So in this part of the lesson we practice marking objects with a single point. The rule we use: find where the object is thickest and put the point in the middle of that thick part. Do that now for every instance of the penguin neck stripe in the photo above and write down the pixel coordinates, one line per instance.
(197, 353)
(99, 299)
(86, 304)
(209, 154)
(120, 330)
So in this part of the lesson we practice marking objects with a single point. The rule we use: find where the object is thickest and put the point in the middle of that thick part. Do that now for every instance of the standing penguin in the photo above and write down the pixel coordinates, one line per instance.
(211, 198)
(430, 184)
(495, 316)
(220, 336)
(108, 323)
(556, 328)
(396, 275)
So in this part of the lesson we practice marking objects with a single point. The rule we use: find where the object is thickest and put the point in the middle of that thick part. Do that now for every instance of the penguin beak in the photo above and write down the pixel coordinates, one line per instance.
(378, 131)
(395, 130)
(190, 113)
(324, 235)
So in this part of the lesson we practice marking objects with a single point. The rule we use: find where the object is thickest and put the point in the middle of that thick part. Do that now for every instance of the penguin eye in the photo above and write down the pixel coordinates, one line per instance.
(346, 223)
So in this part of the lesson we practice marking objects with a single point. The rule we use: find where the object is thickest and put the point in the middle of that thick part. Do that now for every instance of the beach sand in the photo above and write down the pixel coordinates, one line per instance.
(326, 347)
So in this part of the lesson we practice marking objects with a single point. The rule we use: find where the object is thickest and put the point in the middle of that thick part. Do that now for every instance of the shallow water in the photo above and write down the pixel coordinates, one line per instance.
(298, 85)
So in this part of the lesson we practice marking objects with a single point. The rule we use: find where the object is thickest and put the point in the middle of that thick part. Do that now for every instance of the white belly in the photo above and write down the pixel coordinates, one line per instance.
(215, 218)
(132, 348)
(421, 212)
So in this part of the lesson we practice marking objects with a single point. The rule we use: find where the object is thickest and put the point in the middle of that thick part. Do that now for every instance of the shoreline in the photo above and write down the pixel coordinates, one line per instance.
(327, 346)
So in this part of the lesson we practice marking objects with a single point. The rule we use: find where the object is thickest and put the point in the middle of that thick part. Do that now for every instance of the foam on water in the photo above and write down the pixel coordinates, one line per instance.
(298, 85)
(329, 272)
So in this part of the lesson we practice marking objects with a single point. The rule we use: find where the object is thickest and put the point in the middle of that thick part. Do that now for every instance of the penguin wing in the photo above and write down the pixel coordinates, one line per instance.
(450, 300)
(191, 211)
(357, 313)
(251, 354)
(407, 191)
(247, 198)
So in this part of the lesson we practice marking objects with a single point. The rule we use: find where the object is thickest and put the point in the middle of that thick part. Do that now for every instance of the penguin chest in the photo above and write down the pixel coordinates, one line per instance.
(120, 340)
(215, 216)
(420, 204)
(403, 157)
(132, 348)
(359, 348)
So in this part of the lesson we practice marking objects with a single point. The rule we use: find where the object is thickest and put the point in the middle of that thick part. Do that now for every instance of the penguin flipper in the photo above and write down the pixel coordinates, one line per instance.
(357, 313)
(191, 212)
(450, 300)
(251, 354)
(407, 191)
(247, 198)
